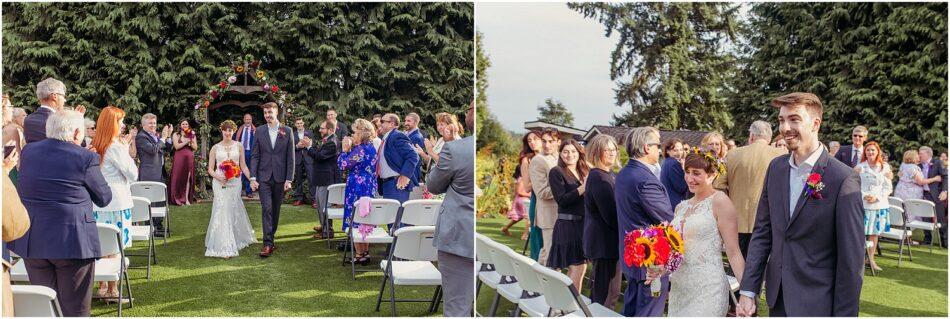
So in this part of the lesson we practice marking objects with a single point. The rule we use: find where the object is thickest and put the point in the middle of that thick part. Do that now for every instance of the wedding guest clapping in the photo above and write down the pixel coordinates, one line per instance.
(182, 185)
(59, 183)
(876, 187)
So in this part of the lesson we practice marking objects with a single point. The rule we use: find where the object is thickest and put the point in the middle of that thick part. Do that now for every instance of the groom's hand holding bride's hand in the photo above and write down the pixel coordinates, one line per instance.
(286, 186)
(254, 186)
(746, 307)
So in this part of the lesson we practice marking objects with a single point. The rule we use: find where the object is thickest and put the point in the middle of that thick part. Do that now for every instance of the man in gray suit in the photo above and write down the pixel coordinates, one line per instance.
(808, 242)
(454, 175)
(150, 148)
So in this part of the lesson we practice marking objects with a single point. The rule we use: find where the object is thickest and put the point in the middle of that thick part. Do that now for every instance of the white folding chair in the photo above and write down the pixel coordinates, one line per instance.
(410, 264)
(563, 298)
(335, 196)
(531, 301)
(142, 213)
(18, 272)
(483, 262)
(35, 301)
(157, 194)
(895, 201)
(113, 269)
(924, 209)
(382, 213)
(898, 232)
(508, 286)
(420, 212)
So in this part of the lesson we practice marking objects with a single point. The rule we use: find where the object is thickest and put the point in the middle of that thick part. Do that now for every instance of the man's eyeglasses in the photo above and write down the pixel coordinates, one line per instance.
(858, 135)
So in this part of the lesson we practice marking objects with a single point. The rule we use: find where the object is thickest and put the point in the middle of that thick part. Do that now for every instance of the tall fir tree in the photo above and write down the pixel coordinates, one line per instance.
(670, 62)
(881, 65)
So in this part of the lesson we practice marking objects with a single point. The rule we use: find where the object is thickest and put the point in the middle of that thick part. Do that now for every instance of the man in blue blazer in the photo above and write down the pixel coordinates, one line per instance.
(396, 168)
(417, 139)
(641, 202)
(59, 183)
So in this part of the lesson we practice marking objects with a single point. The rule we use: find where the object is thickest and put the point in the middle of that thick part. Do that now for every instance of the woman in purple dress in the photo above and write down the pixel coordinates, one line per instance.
(183, 165)
(359, 160)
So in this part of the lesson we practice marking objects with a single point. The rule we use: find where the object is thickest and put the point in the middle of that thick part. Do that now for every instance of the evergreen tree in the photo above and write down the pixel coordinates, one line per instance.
(553, 111)
(670, 62)
(881, 65)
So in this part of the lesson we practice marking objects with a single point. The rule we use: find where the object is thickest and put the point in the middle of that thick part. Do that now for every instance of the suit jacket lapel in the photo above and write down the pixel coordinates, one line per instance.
(783, 188)
(818, 168)
(266, 137)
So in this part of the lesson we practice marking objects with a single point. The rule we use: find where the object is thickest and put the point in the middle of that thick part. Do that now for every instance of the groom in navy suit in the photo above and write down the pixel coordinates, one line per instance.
(396, 167)
(641, 202)
(807, 244)
(272, 170)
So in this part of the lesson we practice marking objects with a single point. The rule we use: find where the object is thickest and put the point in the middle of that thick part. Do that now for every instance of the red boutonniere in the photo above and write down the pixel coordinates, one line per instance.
(813, 186)
(281, 133)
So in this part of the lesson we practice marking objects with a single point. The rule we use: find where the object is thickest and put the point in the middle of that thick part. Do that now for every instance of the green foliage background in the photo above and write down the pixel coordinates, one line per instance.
(360, 58)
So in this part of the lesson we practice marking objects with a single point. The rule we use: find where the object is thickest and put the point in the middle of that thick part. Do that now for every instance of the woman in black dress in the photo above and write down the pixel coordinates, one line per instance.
(600, 224)
(567, 186)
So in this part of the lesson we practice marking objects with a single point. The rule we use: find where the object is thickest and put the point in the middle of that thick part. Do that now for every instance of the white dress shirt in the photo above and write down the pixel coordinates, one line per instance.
(52, 110)
(384, 170)
(272, 131)
(119, 171)
(655, 169)
(798, 175)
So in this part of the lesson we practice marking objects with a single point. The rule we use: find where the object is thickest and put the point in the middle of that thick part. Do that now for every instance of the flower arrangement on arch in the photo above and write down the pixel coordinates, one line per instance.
(245, 65)
(657, 248)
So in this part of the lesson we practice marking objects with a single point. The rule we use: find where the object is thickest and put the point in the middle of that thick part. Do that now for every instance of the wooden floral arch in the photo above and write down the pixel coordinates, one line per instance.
(246, 84)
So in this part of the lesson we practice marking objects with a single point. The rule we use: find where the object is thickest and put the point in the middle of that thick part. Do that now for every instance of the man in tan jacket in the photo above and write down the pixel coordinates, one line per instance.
(546, 207)
(745, 175)
(15, 224)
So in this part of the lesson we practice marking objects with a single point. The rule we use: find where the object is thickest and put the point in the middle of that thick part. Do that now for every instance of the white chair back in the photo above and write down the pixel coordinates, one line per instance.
(895, 201)
(503, 264)
(420, 212)
(919, 208)
(141, 209)
(556, 289)
(35, 301)
(483, 249)
(896, 216)
(524, 271)
(415, 243)
(109, 241)
(153, 191)
(335, 194)
(382, 212)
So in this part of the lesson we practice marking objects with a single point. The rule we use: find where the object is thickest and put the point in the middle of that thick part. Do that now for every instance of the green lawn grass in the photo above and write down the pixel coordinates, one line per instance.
(918, 288)
(302, 278)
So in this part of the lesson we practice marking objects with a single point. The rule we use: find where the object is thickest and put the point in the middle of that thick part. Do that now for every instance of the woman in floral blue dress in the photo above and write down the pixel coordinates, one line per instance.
(359, 159)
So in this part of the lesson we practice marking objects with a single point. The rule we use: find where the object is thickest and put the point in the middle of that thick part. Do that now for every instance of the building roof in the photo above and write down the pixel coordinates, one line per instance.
(693, 138)
(566, 131)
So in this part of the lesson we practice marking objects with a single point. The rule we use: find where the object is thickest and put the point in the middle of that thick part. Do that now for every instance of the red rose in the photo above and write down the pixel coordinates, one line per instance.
(814, 178)
(214, 94)
(223, 84)
(662, 249)
(274, 88)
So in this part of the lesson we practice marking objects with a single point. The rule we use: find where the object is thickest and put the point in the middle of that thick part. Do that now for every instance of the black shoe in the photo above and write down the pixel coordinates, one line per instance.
(159, 234)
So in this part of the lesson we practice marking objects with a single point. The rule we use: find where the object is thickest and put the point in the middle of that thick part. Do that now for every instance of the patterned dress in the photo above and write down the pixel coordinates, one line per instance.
(360, 161)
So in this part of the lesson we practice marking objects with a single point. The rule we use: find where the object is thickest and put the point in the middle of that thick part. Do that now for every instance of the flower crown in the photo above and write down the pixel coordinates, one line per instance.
(713, 162)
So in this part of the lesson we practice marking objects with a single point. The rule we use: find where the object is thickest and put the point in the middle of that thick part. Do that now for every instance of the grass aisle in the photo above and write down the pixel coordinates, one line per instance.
(302, 278)
(918, 288)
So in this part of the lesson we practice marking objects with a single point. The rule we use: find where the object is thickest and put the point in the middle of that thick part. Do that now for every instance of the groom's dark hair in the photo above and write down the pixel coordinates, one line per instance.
(810, 101)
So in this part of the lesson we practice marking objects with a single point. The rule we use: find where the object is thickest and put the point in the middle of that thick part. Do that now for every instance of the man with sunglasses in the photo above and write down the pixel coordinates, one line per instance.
(851, 154)
(396, 167)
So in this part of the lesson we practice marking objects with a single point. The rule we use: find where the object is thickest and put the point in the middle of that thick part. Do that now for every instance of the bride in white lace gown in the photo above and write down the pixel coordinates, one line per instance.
(229, 230)
(699, 287)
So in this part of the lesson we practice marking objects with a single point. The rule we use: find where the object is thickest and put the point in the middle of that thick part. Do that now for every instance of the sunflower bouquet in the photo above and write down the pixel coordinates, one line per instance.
(658, 248)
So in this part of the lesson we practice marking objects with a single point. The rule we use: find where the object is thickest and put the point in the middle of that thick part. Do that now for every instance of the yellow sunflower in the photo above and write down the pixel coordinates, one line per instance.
(676, 241)
(239, 69)
(647, 245)
(260, 74)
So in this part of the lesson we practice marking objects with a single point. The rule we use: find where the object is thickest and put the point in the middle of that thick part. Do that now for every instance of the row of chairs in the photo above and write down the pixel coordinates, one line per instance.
(902, 215)
(149, 201)
(537, 290)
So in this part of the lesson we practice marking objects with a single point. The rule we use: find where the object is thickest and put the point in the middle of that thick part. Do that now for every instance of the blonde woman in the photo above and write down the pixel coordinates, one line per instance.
(449, 129)
(359, 158)
(601, 239)
(714, 142)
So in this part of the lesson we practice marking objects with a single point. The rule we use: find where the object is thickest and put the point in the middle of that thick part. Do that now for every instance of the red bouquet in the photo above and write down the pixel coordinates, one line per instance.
(658, 247)
(230, 169)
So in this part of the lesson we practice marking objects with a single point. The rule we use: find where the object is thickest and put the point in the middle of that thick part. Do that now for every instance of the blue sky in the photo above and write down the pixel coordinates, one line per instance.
(541, 50)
